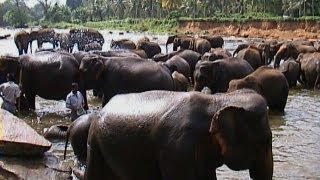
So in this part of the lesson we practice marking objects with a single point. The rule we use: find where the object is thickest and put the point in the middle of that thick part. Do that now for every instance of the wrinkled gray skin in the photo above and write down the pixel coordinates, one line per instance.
(56, 132)
(268, 82)
(309, 69)
(217, 75)
(291, 70)
(176, 63)
(180, 81)
(120, 75)
(180, 135)
(77, 133)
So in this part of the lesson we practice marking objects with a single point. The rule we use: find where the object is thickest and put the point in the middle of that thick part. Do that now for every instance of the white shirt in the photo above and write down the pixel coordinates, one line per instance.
(10, 91)
(74, 101)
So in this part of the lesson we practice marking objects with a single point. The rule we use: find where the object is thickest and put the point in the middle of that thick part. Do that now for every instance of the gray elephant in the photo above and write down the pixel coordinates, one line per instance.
(119, 75)
(215, 41)
(253, 55)
(177, 63)
(309, 69)
(268, 82)
(81, 37)
(215, 54)
(22, 40)
(150, 48)
(42, 36)
(92, 46)
(182, 41)
(64, 40)
(216, 75)
(180, 135)
(200, 45)
(291, 70)
(56, 132)
(122, 44)
(263, 48)
(180, 81)
(77, 133)
(46, 74)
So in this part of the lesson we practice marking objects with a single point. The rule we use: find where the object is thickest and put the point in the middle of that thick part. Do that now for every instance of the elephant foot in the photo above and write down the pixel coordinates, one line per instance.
(78, 173)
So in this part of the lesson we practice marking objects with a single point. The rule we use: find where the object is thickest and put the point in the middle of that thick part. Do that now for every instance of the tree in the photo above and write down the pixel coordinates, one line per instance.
(73, 4)
(171, 4)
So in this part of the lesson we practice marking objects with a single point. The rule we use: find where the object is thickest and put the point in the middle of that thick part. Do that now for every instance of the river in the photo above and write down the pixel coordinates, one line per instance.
(296, 133)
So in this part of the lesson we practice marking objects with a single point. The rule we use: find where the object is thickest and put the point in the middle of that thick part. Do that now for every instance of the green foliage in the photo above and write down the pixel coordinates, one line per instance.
(17, 18)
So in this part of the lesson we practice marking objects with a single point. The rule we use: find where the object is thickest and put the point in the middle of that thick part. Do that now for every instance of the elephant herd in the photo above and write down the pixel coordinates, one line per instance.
(85, 39)
(147, 129)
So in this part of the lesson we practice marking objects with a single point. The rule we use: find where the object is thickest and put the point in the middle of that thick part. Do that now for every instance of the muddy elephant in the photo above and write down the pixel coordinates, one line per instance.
(22, 40)
(216, 75)
(81, 37)
(291, 70)
(268, 82)
(64, 41)
(46, 74)
(77, 133)
(190, 56)
(253, 55)
(309, 70)
(177, 63)
(122, 44)
(182, 41)
(288, 50)
(42, 36)
(120, 75)
(92, 46)
(180, 135)
(215, 41)
(56, 132)
(150, 48)
(181, 83)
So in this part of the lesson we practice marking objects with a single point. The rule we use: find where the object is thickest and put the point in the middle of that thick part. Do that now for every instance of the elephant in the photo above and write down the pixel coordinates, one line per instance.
(190, 56)
(22, 40)
(180, 81)
(150, 48)
(288, 50)
(56, 132)
(42, 36)
(177, 63)
(179, 40)
(46, 74)
(120, 75)
(216, 53)
(77, 133)
(291, 70)
(81, 37)
(216, 75)
(309, 69)
(140, 52)
(122, 44)
(200, 45)
(143, 39)
(215, 41)
(253, 55)
(268, 82)
(180, 135)
(92, 46)
(64, 39)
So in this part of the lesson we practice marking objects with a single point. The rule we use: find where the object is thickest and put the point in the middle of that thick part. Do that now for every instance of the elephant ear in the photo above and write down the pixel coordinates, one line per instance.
(252, 83)
(224, 124)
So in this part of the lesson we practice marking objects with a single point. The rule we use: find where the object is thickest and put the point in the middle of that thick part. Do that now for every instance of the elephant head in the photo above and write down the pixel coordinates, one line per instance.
(9, 64)
(206, 73)
(182, 41)
(91, 68)
(248, 82)
(285, 51)
(243, 134)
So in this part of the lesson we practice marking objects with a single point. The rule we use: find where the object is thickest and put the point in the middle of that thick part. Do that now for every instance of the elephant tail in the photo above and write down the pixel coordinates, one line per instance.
(66, 145)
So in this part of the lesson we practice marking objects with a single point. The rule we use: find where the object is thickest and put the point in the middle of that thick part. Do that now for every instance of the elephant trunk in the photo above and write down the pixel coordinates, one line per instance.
(66, 145)
(56, 132)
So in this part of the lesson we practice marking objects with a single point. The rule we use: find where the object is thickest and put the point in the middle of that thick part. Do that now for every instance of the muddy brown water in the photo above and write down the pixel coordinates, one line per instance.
(296, 133)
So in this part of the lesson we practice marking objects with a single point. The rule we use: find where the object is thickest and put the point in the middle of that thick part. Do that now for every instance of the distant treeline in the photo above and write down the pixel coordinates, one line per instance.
(87, 12)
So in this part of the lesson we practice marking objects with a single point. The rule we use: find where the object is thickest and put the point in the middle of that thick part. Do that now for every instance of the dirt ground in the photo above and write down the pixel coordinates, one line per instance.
(256, 29)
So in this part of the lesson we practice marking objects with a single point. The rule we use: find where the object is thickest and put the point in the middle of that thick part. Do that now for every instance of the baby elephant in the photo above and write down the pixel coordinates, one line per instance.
(291, 70)
(268, 82)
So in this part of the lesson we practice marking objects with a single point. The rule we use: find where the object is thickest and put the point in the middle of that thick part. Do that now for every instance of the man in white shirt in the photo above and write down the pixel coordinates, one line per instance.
(75, 102)
(9, 91)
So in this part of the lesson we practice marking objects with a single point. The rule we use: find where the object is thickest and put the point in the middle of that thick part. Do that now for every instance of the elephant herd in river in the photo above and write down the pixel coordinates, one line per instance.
(147, 129)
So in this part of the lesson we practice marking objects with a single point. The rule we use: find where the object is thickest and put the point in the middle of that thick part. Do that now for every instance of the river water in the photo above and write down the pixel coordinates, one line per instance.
(296, 133)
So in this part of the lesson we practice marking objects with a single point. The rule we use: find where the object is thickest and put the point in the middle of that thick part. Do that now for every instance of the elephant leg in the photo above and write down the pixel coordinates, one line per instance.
(316, 83)
(263, 168)
(31, 98)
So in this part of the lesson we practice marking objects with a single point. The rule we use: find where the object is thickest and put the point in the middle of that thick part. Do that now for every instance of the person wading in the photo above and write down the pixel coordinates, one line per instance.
(75, 102)
(9, 92)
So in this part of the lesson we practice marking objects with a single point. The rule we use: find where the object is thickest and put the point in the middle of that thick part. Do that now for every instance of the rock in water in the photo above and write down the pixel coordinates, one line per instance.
(18, 138)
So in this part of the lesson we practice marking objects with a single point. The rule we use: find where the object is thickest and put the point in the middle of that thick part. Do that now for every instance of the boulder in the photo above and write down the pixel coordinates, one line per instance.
(18, 138)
